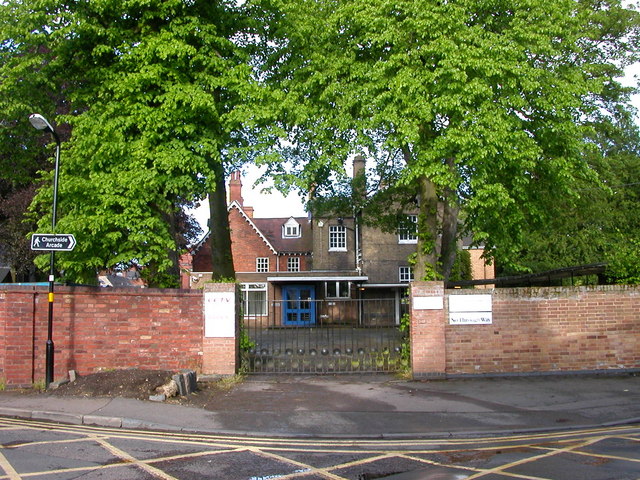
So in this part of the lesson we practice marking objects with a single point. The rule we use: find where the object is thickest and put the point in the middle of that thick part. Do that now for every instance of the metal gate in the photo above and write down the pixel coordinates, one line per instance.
(324, 336)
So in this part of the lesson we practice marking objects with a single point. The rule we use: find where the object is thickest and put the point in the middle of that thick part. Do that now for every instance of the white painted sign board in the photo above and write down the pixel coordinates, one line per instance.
(219, 314)
(470, 303)
(470, 310)
(428, 303)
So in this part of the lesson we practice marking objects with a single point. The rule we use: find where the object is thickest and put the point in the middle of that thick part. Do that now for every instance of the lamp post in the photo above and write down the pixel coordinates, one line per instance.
(41, 123)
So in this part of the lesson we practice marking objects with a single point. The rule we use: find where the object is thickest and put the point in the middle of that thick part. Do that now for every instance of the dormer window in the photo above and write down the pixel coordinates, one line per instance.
(291, 229)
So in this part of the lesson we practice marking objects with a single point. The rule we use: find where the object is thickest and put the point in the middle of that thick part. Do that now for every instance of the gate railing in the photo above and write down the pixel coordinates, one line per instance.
(345, 336)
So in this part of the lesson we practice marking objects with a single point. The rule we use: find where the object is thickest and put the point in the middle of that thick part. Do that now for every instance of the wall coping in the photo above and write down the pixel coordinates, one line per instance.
(105, 291)
(545, 292)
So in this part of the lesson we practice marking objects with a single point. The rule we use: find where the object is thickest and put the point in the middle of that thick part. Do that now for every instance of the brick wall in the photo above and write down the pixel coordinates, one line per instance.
(97, 329)
(480, 269)
(247, 245)
(539, 330)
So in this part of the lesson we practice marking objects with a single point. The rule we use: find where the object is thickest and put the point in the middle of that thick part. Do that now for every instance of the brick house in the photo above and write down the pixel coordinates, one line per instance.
(282, 262)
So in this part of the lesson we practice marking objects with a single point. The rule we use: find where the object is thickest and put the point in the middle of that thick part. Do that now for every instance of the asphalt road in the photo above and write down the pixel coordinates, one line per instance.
(41, 450)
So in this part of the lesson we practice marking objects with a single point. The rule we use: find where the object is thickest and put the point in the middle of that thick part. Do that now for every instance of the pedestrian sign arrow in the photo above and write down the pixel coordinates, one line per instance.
(53, 242)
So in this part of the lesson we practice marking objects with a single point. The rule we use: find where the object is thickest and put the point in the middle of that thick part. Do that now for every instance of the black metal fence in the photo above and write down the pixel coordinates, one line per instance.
(331, 336)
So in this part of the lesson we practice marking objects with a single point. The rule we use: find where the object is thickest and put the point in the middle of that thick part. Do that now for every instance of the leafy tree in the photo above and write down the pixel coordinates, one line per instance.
(16, 249)
(488, 104)
(603, 223)
(155, 92)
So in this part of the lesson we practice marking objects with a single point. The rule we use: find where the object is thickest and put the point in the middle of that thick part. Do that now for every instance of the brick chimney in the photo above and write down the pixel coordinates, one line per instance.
(235, 193)
(235, 188)
(359, 177)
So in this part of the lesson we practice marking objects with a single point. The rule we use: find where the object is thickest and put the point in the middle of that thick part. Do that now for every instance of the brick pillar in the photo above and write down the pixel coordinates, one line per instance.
(220, 347)
(428, 347)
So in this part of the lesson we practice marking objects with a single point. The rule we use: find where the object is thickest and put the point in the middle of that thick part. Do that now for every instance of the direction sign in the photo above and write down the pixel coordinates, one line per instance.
(57, 242)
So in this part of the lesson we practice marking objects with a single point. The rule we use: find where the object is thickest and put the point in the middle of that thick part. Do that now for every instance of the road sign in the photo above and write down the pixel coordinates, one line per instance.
(57, 242)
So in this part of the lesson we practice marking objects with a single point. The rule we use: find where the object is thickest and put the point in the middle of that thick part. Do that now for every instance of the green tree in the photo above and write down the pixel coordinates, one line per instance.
(156, 93)
(488, 104)
(603, 223)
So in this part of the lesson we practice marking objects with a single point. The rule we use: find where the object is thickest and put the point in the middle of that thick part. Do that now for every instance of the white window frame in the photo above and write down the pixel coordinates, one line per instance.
(291, 229)
(337, 238)
(405, 274)
(252, 307)
(262, 264)
(408, 235)
(293, 264)
(337, 289)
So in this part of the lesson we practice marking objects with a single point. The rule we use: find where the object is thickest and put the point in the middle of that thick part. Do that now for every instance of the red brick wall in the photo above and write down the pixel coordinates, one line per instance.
(247, 245)
(541, 330)
(97, 329)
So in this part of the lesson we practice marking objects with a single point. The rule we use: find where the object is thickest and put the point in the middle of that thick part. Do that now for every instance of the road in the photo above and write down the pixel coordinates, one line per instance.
(49, 451)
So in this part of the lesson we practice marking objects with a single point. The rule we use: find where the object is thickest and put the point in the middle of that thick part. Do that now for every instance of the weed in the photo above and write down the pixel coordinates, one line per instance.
(227, 383)
(39, 386)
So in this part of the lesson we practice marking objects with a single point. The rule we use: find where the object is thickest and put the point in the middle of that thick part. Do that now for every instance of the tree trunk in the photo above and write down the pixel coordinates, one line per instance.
(173, 254)
(425, 267)
(221, 255)
(449, 246)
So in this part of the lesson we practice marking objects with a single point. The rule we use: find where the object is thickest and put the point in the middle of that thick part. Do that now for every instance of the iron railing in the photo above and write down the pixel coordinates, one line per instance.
(324, 336)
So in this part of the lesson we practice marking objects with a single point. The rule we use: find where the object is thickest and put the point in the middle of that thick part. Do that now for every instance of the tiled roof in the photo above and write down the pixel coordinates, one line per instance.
(271, 228)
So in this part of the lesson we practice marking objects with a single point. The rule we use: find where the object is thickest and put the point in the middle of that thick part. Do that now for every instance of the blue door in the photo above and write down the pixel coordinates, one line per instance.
(298, 305)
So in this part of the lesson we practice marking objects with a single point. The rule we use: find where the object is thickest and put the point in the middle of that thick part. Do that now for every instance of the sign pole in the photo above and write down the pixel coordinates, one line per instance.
(49, 352)
(41, 123)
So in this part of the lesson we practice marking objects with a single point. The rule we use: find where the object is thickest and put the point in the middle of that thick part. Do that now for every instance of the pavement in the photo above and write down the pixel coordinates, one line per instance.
(375, 406)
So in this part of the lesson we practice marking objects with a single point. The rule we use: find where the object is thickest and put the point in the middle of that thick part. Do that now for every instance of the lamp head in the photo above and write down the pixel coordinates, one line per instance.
(40, 123)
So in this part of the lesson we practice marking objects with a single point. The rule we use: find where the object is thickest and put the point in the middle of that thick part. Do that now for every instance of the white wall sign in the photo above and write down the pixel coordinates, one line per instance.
(219, 314)
(428, 303)
(470, 318)
(470, 310)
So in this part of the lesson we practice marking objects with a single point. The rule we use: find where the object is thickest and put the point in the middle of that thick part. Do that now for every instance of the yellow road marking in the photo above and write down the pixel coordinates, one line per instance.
(551, 443)
(11, 474)
(523, 461)
(156, 472)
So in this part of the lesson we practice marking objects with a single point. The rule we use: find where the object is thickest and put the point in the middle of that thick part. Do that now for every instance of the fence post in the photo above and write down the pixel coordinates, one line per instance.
(428, 345)
(221, 312)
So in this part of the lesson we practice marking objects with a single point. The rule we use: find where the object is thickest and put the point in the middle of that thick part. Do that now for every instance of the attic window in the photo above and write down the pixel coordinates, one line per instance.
(291, 229)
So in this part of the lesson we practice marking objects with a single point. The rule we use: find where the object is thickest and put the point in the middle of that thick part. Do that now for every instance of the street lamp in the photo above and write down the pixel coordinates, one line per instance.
(41, 123)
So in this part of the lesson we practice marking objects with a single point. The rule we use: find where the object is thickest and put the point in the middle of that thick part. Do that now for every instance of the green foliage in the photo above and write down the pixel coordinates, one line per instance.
(158, 279)
(462, 267)
(246, 343)
(157, 96)
(491, 103)
(39, 386)
(405, 346)
(624, 266)
(603, 223)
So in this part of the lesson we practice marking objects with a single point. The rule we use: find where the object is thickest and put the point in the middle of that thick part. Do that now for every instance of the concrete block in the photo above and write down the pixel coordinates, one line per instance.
(182, 387)
(190, 380)
(14, 412)
(102, 421)
(60, 417)
(57, 383)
